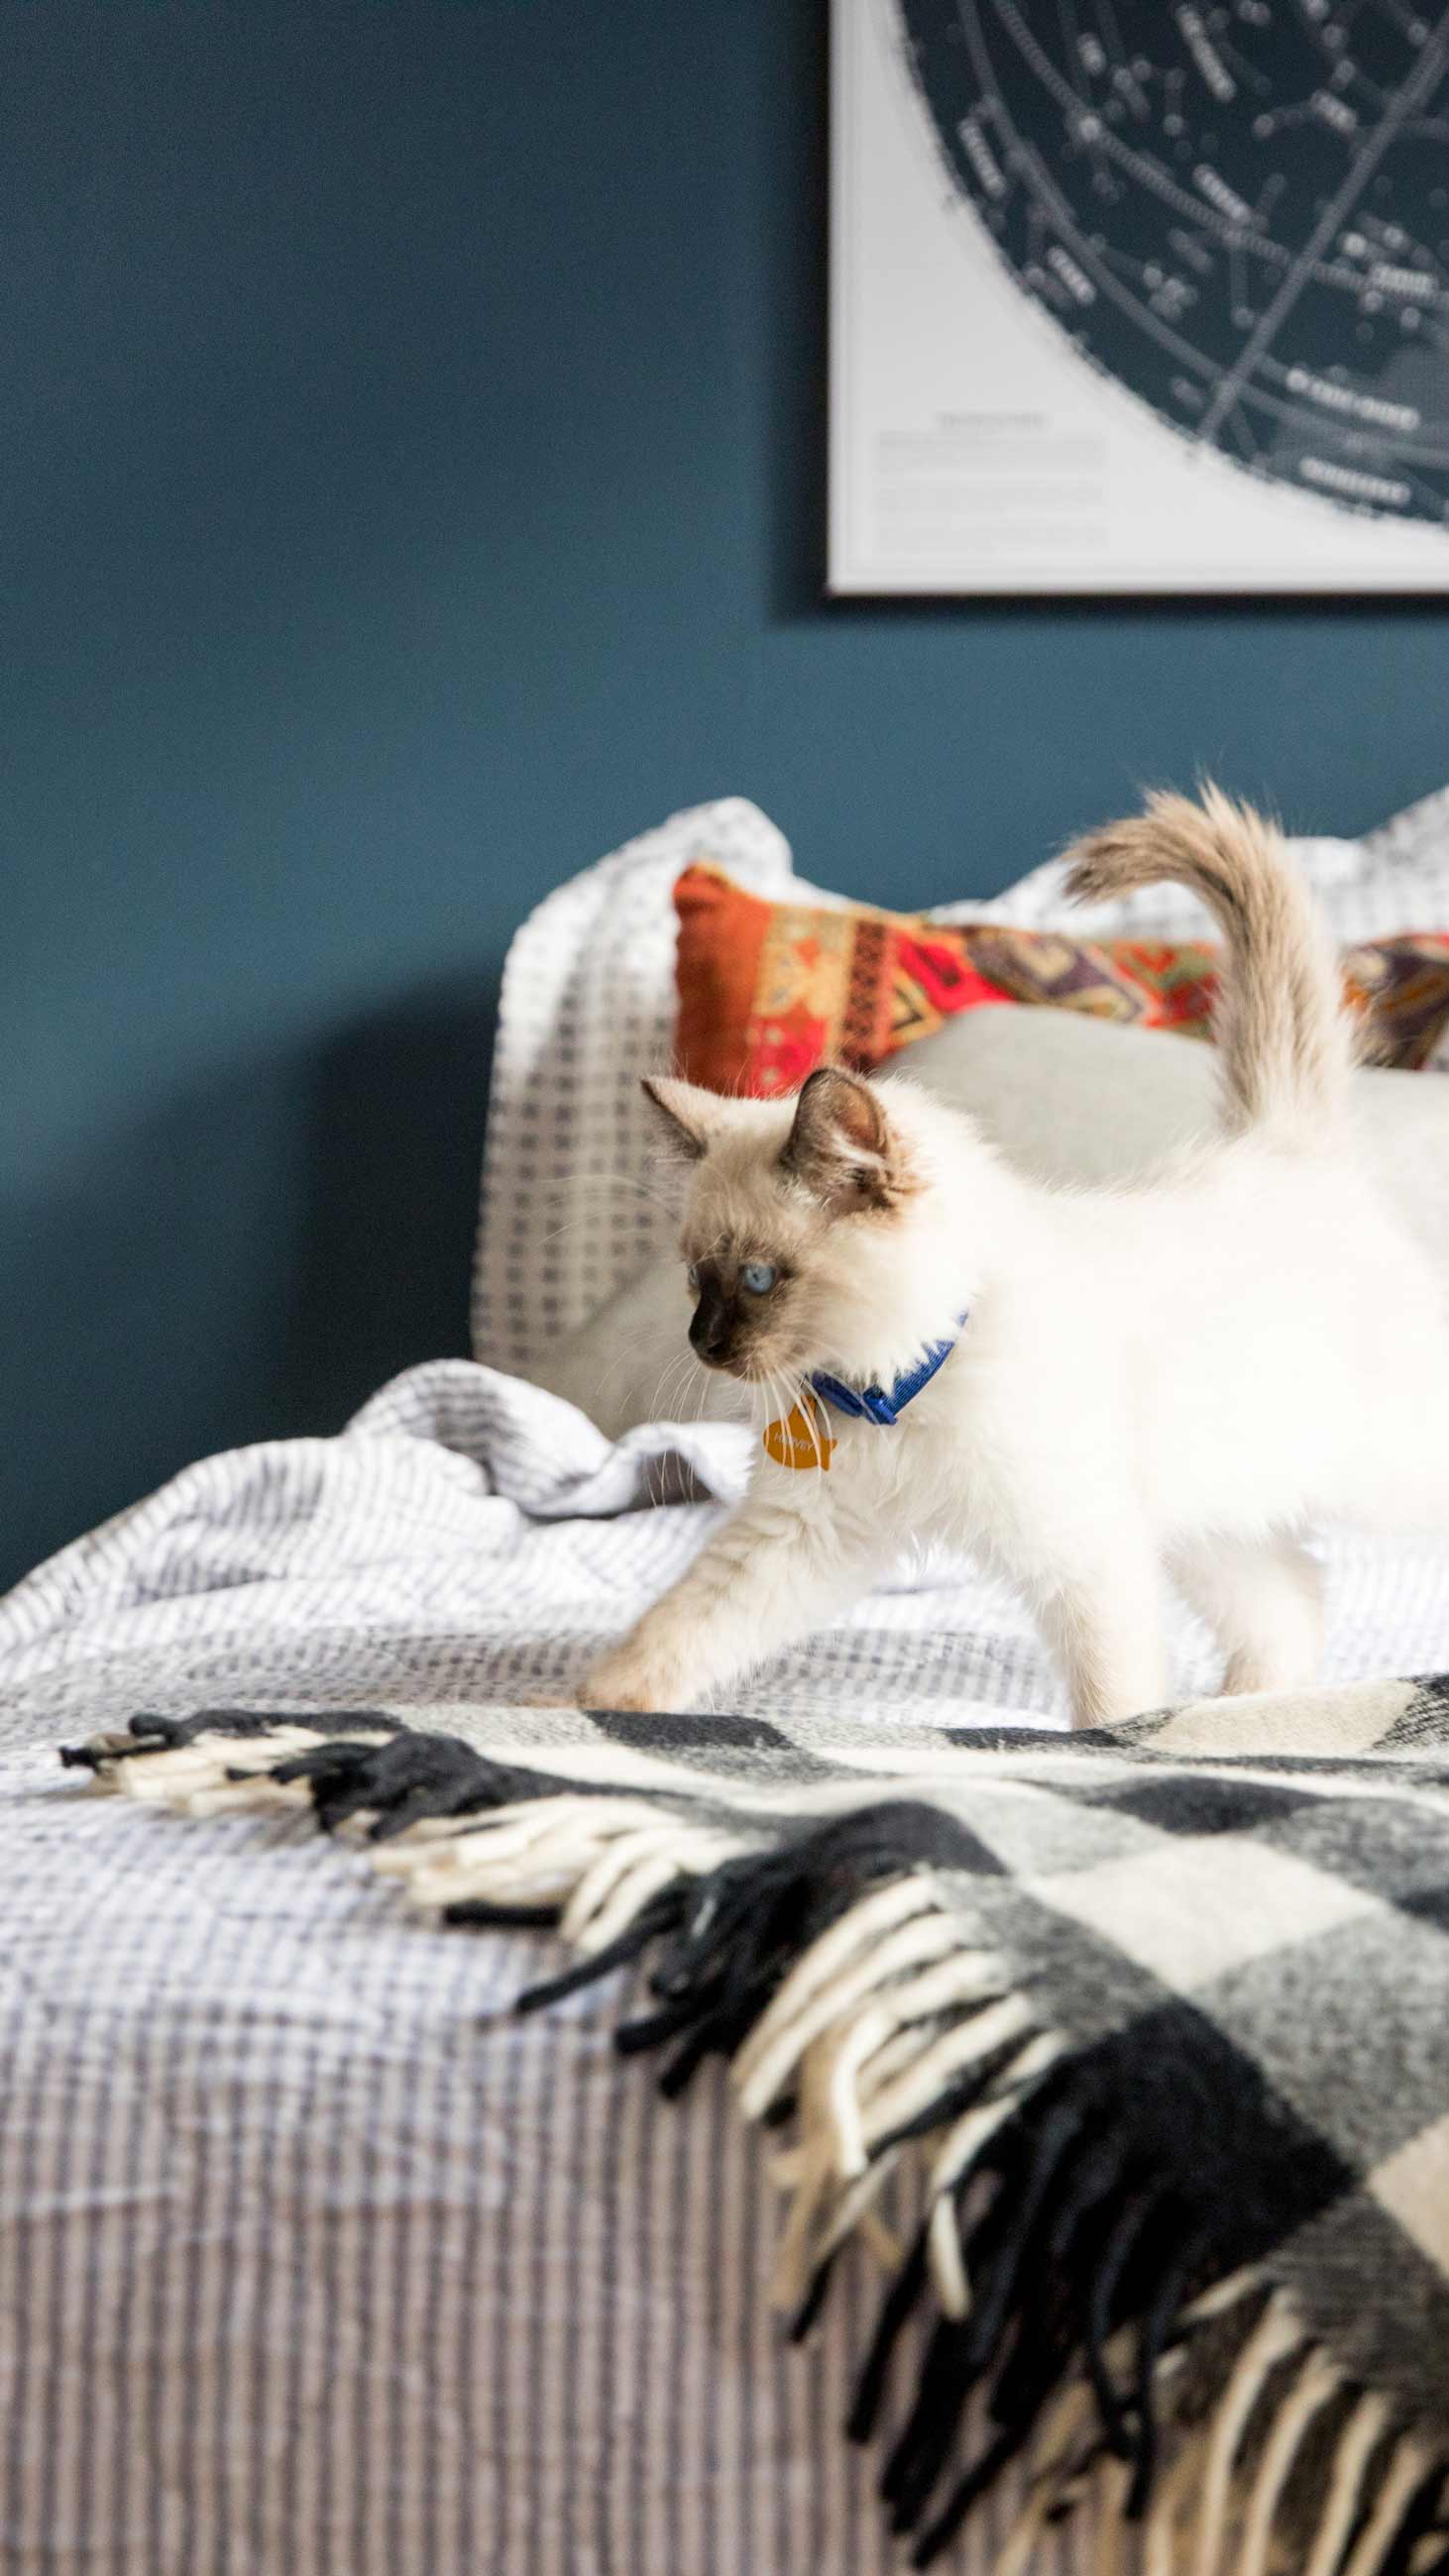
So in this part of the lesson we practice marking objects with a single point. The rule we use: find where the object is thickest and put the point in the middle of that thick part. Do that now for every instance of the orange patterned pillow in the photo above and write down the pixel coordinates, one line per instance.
(1402, 987)
(769, 990)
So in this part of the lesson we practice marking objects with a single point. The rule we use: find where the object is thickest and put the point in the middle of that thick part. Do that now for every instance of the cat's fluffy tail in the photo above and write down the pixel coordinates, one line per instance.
(1284, 1034)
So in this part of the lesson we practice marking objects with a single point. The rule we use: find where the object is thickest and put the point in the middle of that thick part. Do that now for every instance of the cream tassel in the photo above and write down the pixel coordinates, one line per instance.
(1360, 2437)
(169, 1779)
(881, 2240)
(846, 2059)
(594, 1911)
(874, 1914)
(1021, 2540)
(601, 1878)
(440, 1873)
(852, 2204)
(815, 2177)
(1316, 2383)
(964, 2142)
(944, 2248)
(1272, 2339)
(235, 1797)
(1162, 2532)
(762, 2072)
(1216, 2300)
(918, 2085)
(1111, 2536)
(885, 2042)
(1067, 2420)
(947, 2256)
(184, 1772)
(1410, 2465)
(649, 1871)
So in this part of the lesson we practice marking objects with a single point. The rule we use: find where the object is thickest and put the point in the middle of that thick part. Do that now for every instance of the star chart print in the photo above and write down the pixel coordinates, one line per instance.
(1131, 295)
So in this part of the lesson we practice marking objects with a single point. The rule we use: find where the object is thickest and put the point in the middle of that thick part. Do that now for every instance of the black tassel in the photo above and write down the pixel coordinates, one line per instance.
(740, 1932)
(982, 2475)
(1020, 2204)
(634, 2038)
(485, 1916)
(1126, 2228)
(1028, 2263)
(1098, 2173)
(409, 1776)
(814, 2299)
(896, 2307)
(709, 2038)
(1164, 2300)
(657, 1915)
(920, 2452)
(152, 1733)
(1039, 2359)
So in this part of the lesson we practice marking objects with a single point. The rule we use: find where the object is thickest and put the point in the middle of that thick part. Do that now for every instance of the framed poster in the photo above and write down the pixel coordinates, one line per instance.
(1131, 296)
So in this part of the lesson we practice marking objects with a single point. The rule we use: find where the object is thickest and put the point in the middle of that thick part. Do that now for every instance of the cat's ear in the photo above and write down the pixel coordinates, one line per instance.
(841, 1146)
(687, 1118)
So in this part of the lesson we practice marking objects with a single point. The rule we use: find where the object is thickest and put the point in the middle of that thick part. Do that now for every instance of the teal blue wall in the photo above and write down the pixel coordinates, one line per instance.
(411, 423)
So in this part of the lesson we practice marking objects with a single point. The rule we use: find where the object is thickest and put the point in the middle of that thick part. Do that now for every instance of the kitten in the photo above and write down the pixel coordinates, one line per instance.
(1178, 1376)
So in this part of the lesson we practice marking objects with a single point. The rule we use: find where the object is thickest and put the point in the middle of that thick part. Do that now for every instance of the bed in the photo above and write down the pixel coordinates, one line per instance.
(314, 2256)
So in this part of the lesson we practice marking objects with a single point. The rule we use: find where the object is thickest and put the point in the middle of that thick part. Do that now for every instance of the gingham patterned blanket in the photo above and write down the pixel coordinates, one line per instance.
(1159, 2020)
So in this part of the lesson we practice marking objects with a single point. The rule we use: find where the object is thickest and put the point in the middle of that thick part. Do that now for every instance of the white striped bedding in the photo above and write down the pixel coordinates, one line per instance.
(313, 2260)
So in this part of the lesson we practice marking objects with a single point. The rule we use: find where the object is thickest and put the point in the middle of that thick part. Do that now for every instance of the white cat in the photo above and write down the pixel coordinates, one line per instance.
(1182, 1375)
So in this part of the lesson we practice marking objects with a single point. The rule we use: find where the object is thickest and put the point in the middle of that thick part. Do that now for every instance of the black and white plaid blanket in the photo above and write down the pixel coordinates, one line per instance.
(1149, 2031)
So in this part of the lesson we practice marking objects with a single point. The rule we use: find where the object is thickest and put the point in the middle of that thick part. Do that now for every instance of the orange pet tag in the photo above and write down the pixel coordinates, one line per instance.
(800, 1440)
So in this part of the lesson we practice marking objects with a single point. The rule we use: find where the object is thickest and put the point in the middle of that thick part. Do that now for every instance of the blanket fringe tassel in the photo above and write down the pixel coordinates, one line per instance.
(1052, 2274)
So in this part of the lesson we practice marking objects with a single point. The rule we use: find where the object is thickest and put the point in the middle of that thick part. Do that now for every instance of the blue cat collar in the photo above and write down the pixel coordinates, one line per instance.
(871, 1403)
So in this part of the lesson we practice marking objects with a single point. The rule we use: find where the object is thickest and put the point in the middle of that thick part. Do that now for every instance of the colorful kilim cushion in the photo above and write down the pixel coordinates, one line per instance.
(767, 991)
(1403, 986)
(1158, 983)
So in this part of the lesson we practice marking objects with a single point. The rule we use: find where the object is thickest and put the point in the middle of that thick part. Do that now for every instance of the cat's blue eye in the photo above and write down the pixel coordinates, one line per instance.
(759, 1277)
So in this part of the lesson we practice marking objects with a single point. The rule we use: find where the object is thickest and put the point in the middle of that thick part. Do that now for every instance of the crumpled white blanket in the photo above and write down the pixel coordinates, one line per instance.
(471, 1537)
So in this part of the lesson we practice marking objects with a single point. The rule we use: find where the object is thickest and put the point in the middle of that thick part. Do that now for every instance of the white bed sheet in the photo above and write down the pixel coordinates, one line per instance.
(313, 2260)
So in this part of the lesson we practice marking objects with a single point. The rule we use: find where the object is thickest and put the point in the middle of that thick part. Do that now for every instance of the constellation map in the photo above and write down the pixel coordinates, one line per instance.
(1239, 212)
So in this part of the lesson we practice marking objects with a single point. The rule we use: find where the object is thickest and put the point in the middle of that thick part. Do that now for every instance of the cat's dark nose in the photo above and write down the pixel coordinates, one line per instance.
(712, 1330)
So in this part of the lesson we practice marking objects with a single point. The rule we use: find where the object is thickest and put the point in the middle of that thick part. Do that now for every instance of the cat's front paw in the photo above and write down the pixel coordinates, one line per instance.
(629, 1679)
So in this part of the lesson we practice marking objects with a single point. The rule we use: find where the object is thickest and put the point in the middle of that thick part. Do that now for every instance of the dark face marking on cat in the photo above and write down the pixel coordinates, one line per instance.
(734, 1302)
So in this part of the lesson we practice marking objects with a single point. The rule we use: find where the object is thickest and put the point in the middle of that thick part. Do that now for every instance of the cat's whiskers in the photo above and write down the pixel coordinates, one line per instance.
(645, 1333)
(673, 1386)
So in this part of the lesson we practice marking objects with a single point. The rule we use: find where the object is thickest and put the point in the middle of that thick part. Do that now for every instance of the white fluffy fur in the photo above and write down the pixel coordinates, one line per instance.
(1180, 1378)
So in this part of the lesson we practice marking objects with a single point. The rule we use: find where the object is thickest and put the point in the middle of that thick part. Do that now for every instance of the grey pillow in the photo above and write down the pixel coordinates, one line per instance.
(1068, 1099)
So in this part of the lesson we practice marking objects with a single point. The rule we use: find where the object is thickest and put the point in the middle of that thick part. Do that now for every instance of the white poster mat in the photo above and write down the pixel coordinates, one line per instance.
(973, 451)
